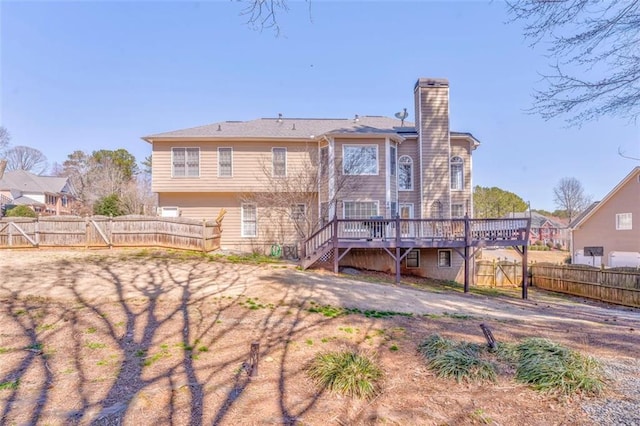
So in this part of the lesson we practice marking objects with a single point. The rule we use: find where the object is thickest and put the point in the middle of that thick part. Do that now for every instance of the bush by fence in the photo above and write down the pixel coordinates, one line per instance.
(101, 231)
(620, 287)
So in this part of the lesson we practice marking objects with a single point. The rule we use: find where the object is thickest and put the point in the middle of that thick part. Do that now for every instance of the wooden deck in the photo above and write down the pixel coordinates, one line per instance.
(398, 236)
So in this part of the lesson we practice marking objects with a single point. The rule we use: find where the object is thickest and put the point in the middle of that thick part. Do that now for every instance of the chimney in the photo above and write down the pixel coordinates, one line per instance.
(432, 125)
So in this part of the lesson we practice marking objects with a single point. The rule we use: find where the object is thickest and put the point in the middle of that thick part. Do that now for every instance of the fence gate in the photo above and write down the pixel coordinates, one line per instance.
(98, 233)
(498, 273)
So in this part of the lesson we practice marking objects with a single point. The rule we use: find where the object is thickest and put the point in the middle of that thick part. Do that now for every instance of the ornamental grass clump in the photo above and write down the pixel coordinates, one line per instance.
(548, 366)
(457, 360)
(346, 373)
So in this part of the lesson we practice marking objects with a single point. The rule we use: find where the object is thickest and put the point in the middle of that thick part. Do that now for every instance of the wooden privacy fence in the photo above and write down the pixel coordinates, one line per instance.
(498, 273)
(101, 231)
(622, 288)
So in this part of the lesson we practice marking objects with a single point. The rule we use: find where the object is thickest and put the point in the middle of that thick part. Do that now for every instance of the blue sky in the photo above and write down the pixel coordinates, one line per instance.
(99, 75)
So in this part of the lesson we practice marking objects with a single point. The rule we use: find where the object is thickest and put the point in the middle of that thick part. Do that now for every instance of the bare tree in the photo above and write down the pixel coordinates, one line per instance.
(594, 48)
(5, 138)
(26, 158)
(570, 197)
(288, 202)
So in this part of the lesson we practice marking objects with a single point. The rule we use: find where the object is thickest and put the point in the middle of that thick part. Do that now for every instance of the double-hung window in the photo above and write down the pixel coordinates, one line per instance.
(360, 209)
(360, 159)
(392, 160)
(444, 258)
(249, 220)
(405, 173)
(457, 174)
(298, 212)
(623, 221)
(225, 162)
(185, 162)
(279, 158)
(457, 211)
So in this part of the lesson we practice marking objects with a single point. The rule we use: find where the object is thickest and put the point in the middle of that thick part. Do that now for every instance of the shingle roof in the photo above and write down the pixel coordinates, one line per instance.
(28, 182)
(537, 219)
(295, 128)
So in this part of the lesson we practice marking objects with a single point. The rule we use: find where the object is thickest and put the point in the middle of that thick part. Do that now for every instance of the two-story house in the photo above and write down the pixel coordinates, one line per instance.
(49, 195)
(605, 233)
(356, 168)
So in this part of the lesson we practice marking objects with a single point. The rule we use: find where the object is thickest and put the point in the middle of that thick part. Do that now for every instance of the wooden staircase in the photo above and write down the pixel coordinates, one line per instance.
(319, 247)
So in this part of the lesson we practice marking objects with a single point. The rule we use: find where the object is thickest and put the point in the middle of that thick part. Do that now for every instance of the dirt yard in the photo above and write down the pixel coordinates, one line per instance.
(151, 337)
(553, 256)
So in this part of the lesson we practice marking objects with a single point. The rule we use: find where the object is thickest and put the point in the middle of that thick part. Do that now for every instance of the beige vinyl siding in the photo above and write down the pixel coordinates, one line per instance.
(410, 148)
(460, 148)
(364, 188)
(432, 104)
(252, 161)
(208, 205)
(599, 229)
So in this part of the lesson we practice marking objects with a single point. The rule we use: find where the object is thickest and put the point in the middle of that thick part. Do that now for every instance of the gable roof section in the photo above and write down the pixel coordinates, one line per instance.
(596, 206)
(300, 128)
(24, 181)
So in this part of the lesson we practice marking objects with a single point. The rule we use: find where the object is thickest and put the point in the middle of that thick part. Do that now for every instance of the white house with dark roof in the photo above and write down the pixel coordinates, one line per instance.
(44, 194)
(394, 167)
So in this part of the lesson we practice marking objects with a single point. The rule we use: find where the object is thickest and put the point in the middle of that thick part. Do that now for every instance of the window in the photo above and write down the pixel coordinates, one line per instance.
(413, 259)
(186, 162)
(436, 210)
(457, 173)
(298, 212)
(457, 210)
(225, 162)
(279, 156)
(324, 161)
(623, 221)
(444, 258)
(405, 173)
(249, 220)
(392, 160)
(394, 209)
(360, 159)
(360, 209)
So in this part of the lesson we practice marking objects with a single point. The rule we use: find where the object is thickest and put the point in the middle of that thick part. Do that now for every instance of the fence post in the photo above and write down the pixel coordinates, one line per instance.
(86, 232)
(109, 231)
(10, 237)
(36, 233)
(204, 235)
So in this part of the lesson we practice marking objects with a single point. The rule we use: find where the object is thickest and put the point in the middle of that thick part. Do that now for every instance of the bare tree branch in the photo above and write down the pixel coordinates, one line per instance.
(598, 41)
(26, 158)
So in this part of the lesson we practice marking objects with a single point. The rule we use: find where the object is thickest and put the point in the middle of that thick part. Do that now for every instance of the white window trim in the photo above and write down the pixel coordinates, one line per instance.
(185, 158)
(450, 259)
(406, 265)
(344, 210)
(410, 173)
(225, 147)
(461, 162)
(619, 216)
(242, 232)
(361, 145)
(286, 165)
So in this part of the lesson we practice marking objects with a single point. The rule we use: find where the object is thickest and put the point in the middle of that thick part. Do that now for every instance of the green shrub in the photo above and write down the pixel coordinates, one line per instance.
(21, 211)
(457, 360)
(346, 373)
(108, 206)
(548, 366)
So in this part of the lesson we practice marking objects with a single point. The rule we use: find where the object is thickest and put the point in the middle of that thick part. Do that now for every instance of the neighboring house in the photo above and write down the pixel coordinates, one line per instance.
(48, 195)
(388, 166)
(605, 234)
(544, 229)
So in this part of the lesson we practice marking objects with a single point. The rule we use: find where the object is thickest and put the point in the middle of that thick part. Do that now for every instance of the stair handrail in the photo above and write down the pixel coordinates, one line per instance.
(311, 244)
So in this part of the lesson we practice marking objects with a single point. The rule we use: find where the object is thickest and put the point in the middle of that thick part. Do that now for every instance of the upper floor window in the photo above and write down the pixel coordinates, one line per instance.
(623, 221)
(436, 210)
(405, 173)
(279, 157)
(392, 160)
(324, 161)
(360, 159)
(186, 162)
(360, 209)
(457, 210)
(225, 162)
(457, 173)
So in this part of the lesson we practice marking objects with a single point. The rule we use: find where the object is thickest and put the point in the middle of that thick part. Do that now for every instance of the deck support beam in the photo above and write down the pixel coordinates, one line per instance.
(523, 252)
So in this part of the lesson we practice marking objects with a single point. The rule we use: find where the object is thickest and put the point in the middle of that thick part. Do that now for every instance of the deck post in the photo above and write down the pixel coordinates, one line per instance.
(467, 251)
(397, 249)
(525, 272)
(336, 250)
